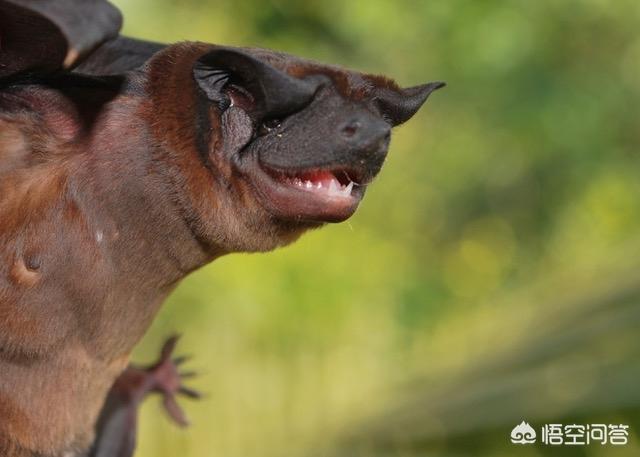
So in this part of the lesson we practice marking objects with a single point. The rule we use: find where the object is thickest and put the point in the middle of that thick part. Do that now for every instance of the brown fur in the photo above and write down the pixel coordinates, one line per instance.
(108, 198)
(95, 230)
(89, 248)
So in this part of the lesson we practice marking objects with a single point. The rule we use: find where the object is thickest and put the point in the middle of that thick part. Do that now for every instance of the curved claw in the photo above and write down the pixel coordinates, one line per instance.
(167, 380)
(175, 411)
(168, 347)
(181, 359)
(187, 392)
(187, 374)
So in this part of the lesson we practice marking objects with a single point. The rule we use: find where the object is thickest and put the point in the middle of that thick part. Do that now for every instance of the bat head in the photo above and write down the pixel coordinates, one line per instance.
(294, 142)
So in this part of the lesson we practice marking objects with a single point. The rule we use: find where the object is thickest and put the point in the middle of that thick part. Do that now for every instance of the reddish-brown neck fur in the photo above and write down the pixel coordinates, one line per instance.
(91, 243)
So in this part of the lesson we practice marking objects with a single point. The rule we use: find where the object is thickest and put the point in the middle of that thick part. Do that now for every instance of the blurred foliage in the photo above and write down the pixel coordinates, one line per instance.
(490, 274)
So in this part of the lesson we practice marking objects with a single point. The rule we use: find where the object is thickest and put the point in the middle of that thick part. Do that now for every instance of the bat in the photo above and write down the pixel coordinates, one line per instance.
(124, 166)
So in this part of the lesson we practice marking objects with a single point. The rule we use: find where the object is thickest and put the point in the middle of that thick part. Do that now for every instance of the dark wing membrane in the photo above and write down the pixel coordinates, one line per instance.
(118, 56)
(46, 35)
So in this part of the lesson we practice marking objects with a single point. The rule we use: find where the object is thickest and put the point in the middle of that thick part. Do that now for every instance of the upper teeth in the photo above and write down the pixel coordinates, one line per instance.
(334, 189)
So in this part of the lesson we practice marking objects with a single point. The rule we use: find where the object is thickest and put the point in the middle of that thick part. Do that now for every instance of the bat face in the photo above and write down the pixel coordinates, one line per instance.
(314, 164)
(298, 142)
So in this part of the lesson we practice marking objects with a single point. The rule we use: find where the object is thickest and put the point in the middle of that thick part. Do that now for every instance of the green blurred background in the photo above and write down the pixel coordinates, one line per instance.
(491, 274)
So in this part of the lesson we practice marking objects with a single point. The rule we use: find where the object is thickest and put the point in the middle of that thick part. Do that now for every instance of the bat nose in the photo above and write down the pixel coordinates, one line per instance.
(365, 133)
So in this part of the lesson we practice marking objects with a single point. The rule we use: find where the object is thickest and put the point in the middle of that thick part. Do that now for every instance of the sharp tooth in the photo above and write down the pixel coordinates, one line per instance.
(298, 182)
(333, 188)
(338, 190)
(349, 188)
(319, 185)
(308, 184)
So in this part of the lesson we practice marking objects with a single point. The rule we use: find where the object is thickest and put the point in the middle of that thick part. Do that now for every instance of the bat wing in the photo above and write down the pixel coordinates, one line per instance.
(118, 55)
(41, 36)
(44, 36)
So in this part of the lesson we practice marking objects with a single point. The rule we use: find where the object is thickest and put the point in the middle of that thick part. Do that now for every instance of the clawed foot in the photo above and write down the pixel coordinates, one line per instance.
(167, 380)
(162, 377)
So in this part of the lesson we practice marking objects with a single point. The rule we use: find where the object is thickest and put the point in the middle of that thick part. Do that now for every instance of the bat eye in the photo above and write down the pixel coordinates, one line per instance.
(269, 126)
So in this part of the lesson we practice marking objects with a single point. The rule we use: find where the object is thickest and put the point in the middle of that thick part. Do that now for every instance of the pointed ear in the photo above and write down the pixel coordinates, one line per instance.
(400, 106)
(45, 36)
(274, 92)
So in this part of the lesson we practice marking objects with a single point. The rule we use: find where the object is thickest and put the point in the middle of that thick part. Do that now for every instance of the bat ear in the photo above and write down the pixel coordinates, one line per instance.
(274, 93)
(400, 106)
(45, 36)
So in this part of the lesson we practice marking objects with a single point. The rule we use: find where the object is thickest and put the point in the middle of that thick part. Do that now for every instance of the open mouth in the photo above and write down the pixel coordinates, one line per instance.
(330, 194)
(329, 184)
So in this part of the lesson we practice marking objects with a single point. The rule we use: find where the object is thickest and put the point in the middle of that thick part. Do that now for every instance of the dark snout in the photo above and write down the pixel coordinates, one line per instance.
(365, 138)
(365, 132)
